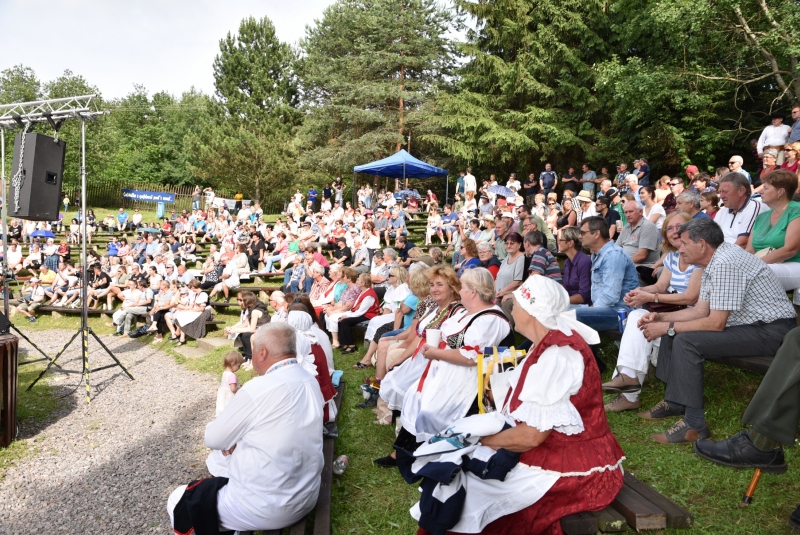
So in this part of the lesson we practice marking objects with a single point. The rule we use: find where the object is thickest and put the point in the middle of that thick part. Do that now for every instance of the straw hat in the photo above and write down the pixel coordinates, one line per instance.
(584, 196)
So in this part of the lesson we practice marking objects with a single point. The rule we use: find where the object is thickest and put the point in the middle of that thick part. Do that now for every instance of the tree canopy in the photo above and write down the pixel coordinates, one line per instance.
(501, 85)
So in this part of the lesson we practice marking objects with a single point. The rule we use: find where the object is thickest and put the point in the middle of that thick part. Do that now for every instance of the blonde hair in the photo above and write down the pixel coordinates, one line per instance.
(419, 283)
(231, 359)
(666, 246)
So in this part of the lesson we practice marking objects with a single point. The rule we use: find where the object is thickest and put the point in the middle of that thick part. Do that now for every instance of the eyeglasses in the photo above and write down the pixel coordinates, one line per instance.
(584, 232)
(551, 204)
(673, 184)
(731, 163)
(674, 229)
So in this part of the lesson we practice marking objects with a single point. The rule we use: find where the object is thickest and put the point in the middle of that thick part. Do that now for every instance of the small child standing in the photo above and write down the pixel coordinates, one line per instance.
(229, 385)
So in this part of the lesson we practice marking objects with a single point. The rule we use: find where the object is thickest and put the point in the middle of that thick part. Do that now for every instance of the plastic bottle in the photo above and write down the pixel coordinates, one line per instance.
(340, 464)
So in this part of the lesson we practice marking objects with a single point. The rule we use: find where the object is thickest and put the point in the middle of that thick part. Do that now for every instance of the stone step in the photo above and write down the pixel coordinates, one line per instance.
(209, 344)
(191, 352)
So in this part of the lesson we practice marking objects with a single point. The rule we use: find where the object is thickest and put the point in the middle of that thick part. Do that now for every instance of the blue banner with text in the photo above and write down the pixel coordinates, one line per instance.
(148, 196)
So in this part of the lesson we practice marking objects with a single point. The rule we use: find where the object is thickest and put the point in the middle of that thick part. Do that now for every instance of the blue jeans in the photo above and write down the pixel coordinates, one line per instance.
(598, 318)
(307, 284)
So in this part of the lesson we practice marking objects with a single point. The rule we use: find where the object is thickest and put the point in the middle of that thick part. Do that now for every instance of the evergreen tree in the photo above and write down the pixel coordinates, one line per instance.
(247, 144)
(526, 94)
(368, 69)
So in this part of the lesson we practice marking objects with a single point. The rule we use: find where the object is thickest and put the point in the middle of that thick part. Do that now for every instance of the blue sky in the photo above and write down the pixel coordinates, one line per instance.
(165, 45)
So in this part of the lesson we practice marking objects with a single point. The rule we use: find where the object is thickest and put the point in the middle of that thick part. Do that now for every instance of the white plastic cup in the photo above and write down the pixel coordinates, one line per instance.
(619, 225)
(433, 337)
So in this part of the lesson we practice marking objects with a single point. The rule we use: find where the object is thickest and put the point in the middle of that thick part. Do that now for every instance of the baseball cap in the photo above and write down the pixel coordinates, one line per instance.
(34, 279)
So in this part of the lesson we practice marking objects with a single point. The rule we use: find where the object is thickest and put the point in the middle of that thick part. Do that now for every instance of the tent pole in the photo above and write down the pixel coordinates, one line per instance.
(446, 190)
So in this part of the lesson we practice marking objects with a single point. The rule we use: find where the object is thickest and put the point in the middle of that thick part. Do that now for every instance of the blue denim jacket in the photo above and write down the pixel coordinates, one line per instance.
(613, 276)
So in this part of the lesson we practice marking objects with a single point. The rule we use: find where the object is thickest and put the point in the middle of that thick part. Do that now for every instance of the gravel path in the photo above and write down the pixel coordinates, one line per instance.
(108, 466)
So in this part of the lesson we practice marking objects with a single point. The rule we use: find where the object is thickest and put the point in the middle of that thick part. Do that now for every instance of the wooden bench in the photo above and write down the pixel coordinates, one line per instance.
(637, 505)
(99, 312)
(758, 364)
(322, 511)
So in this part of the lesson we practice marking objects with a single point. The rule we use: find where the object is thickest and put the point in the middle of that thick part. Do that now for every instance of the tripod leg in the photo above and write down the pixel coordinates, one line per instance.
(52, 362)
(109, 352)
(32, 344)
(85, 344)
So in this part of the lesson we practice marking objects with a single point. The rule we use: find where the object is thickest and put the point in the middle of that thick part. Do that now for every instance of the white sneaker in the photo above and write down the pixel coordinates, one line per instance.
(157, 341)
(248, 365)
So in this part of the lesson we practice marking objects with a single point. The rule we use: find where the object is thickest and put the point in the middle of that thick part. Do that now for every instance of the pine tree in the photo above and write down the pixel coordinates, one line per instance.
(526, 94)
(369, 67)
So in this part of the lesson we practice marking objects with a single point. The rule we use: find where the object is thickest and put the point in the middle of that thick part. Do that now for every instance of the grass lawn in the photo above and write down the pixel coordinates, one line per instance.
(371, 500)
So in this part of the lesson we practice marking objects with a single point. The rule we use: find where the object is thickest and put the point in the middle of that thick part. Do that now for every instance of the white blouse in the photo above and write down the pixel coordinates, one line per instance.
(549, 385)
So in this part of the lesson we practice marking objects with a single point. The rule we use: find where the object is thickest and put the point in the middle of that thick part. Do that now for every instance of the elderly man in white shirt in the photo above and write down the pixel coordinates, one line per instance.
(774, 136)
(272, 431)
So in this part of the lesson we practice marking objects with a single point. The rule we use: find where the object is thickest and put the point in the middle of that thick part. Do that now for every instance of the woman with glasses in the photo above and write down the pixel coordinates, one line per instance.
(554, 212)
(678, 286)
(469, 253)
(277, 300)
(792, 154)
(488, 260)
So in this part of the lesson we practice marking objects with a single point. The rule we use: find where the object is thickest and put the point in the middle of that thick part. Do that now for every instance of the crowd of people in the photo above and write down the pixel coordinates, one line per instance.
(689, 270)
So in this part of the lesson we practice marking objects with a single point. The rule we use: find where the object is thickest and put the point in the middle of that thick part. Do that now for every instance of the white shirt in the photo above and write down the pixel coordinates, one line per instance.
(740, 223)
(14, 257)
(514, 184)
(233, 270)
(469, 183)
(275, 421)
(773, 136)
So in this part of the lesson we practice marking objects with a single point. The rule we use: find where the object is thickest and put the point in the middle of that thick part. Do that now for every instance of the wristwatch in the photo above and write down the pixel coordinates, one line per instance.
(671, 329)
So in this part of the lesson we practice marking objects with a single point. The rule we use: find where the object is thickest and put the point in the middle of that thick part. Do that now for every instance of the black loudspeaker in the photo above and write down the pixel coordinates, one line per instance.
(42, 169)
(5, 325)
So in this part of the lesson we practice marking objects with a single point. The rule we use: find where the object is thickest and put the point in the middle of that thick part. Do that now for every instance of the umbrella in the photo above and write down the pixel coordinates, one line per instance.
(502, 191)
(409, 193)
(150, 230)
(42, 234)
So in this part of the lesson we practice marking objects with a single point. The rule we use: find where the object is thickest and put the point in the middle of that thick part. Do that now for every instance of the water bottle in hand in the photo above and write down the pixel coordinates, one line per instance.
(340, 464)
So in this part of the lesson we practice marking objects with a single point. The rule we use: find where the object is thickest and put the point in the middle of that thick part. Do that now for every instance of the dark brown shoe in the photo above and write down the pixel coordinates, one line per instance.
(661, 410)
(681, 433)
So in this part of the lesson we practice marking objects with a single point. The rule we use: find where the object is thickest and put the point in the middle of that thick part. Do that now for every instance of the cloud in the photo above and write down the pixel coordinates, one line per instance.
(165, 45)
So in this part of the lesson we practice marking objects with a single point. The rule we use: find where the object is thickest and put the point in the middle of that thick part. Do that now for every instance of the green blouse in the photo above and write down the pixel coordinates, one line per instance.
(765, 236)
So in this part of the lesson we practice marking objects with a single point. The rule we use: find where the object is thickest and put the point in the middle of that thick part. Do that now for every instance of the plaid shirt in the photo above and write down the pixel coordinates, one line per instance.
(737, 281)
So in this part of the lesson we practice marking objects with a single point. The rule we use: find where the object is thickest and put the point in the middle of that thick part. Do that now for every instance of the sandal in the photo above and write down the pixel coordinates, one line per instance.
(348, 350)
(361, 365)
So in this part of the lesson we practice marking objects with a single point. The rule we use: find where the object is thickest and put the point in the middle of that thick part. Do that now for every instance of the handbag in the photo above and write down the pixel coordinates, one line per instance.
(660, 308)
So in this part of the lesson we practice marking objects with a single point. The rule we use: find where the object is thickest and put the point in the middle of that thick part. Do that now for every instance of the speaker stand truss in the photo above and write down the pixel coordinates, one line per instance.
(54, 112)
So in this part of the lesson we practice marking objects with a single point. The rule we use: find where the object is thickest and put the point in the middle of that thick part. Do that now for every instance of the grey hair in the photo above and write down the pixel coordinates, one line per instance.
(280, 339)
(316, 267)
(481, 280)
(390, 253)
(637, 205)
(737, 179)
(737, 158)
(335, 267)
(705, 229)
(484, 246)
(690, 196)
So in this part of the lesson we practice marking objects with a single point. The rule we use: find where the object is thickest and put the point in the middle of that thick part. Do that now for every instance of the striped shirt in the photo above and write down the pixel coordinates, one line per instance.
(544, 263)
(679, 280)
(744, 285)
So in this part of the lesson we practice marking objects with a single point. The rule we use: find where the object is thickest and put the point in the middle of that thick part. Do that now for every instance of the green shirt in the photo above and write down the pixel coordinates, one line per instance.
(774, 236)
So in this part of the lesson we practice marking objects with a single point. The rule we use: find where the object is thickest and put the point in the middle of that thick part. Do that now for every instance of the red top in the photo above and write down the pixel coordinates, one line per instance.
(592, 448)
(374, 310)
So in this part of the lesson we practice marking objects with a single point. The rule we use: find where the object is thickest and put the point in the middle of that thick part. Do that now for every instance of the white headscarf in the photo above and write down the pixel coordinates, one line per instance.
(304, 355)
(548, 301)
(302, 322)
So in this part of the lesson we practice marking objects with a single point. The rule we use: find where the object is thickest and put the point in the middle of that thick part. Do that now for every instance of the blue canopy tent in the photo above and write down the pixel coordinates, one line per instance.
(400, 165)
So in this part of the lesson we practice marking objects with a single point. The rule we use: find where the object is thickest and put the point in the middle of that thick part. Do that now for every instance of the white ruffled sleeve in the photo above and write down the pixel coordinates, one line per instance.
(557, 376)
(485, 331)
